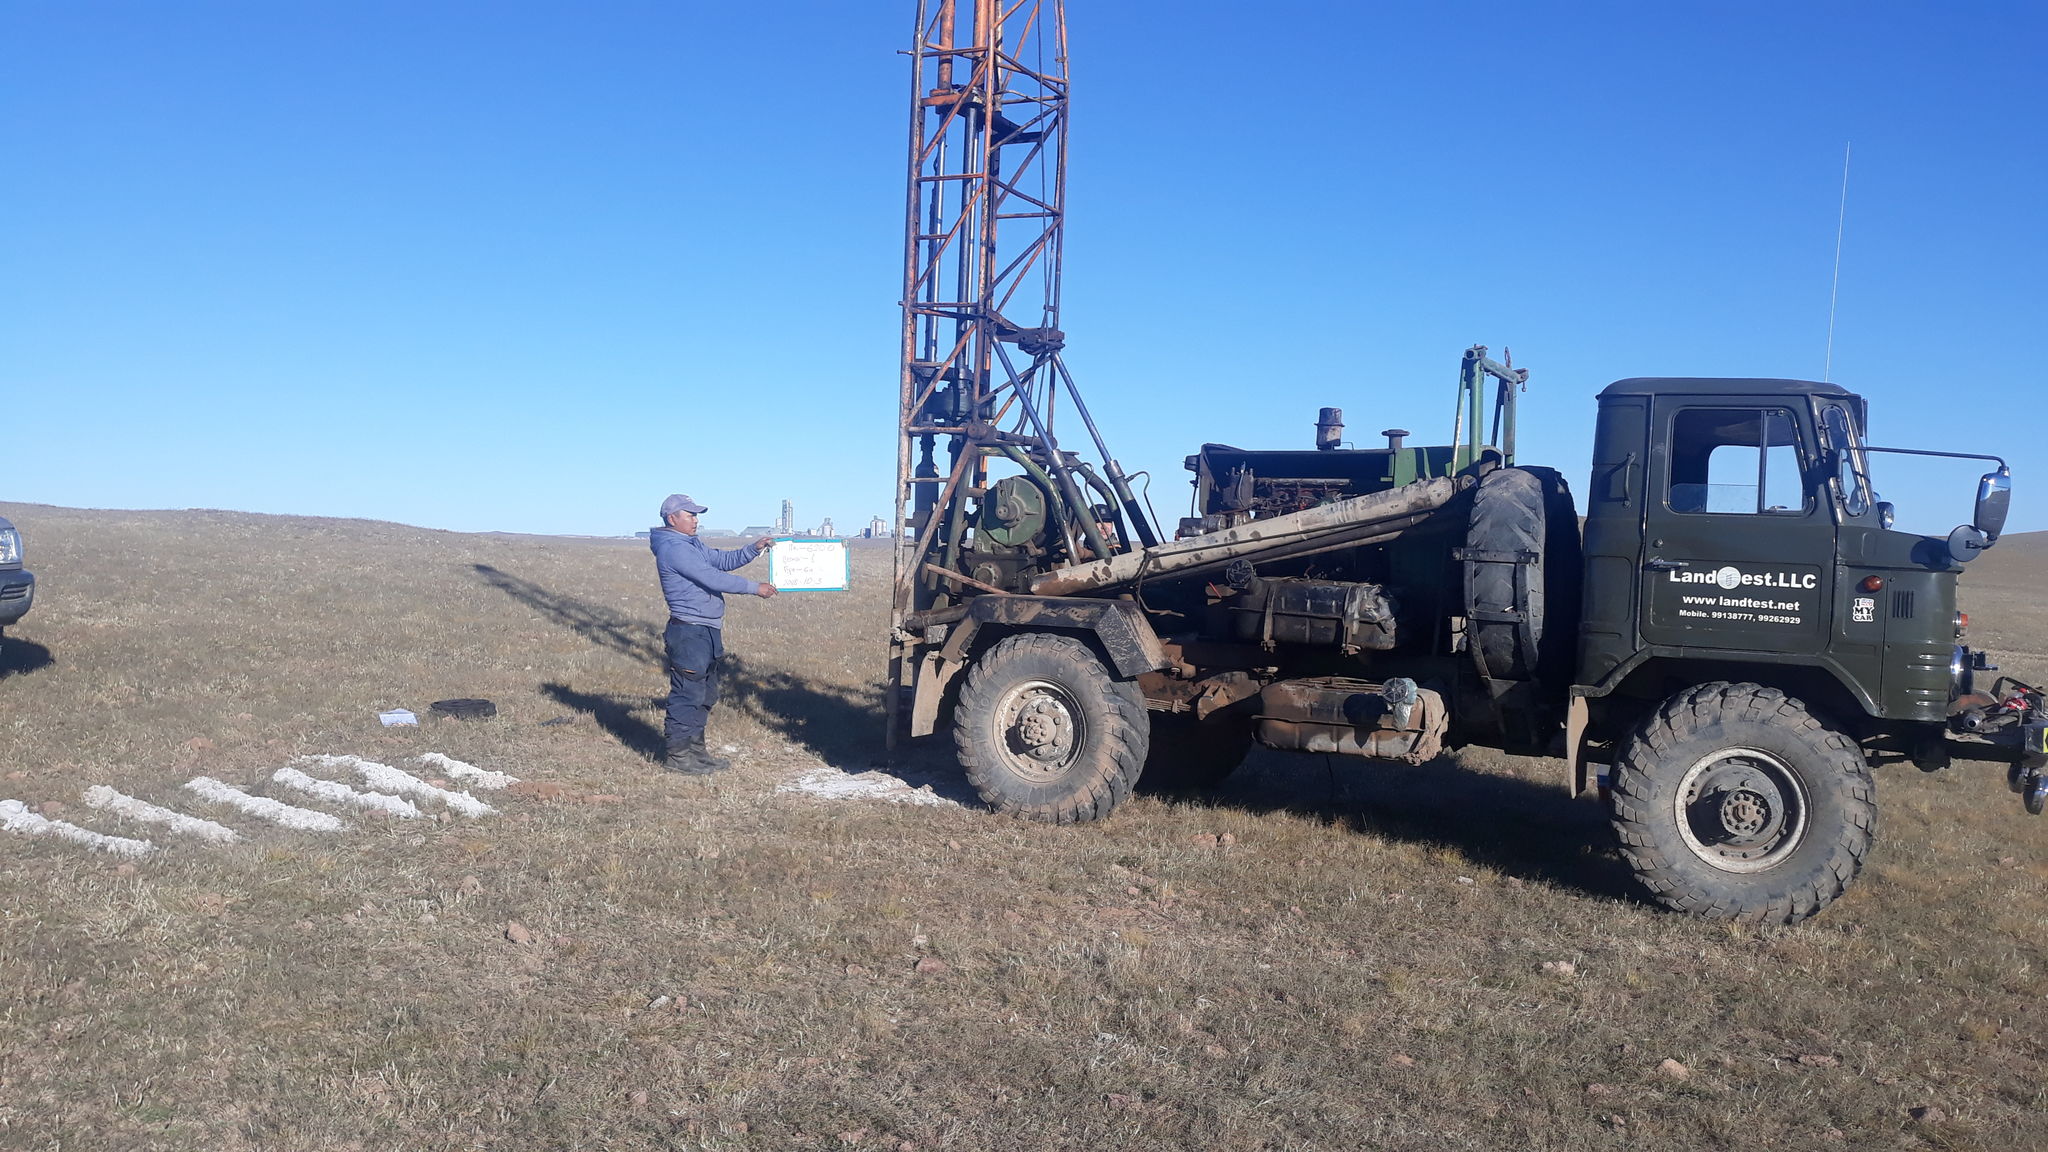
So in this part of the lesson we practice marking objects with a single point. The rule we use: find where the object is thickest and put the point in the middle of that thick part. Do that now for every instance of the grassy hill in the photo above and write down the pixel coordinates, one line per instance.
(1323, 955)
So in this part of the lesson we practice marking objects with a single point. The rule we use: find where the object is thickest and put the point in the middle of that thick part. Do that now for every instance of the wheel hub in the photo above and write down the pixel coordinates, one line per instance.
(1045, 728)
(1042, 729)
(1747, 815)
(1742, 810)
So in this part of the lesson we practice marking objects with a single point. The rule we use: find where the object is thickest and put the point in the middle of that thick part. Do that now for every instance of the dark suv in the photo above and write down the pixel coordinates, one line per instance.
(17, 584)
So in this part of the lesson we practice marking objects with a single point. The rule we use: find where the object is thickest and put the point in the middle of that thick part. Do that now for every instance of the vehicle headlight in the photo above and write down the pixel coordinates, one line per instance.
(10, 546)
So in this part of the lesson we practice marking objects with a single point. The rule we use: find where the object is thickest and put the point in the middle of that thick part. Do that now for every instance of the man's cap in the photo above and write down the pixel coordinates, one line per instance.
(680, 503)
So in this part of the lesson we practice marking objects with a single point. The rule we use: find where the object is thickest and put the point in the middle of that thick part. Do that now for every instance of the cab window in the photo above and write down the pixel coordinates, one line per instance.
(1736, 461)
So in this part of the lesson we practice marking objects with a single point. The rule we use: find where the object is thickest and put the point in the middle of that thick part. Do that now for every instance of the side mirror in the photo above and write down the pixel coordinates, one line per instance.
(1994, 498)
(1965, 542)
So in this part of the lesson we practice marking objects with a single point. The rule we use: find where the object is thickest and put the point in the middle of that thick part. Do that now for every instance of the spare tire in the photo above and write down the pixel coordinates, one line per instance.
(1522, 580)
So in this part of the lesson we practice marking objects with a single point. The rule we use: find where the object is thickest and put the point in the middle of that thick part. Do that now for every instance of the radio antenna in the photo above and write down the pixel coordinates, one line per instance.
(1835, 290)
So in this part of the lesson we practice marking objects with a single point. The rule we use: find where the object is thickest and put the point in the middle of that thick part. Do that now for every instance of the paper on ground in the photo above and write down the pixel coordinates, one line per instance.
(15, 817)
(105, 798)
(385, 778)
(303, 819)
(343, 794)
(469, 774)
(832, 784)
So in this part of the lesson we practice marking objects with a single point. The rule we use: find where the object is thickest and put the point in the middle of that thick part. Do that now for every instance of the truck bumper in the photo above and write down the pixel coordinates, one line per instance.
(17, 592)
(2008, 723)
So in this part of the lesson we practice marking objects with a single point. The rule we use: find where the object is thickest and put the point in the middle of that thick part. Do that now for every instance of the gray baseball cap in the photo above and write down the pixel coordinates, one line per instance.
(680, 503)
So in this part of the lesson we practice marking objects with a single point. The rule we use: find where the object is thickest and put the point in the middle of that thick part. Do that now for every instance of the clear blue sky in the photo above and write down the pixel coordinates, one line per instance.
(528, 266)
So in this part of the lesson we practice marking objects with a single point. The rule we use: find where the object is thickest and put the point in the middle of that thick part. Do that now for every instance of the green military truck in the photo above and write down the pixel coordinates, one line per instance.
(1720, 651)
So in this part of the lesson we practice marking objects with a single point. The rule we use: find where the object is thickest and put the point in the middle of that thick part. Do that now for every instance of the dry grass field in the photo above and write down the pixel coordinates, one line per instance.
(1324, 955)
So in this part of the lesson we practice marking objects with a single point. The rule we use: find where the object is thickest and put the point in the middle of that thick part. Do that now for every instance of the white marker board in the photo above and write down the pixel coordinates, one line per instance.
(810, 565)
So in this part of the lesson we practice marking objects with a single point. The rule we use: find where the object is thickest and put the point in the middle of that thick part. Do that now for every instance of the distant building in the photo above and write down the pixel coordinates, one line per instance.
(759, 530)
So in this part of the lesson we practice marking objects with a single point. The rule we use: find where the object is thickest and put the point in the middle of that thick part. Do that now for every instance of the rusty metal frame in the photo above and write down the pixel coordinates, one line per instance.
(984, 220)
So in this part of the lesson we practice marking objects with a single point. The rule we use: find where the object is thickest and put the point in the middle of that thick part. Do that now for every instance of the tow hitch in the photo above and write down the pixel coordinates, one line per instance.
(2015, 716)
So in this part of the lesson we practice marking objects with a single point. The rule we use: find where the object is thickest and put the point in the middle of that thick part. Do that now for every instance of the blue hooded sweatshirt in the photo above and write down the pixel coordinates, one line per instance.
(695, 576)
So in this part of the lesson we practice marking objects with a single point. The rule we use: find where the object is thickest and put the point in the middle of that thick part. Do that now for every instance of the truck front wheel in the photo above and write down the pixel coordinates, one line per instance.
(1045, 732)
(1733, 802)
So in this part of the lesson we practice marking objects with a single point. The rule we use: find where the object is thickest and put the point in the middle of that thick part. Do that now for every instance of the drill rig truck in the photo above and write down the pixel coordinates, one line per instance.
(1721, 650)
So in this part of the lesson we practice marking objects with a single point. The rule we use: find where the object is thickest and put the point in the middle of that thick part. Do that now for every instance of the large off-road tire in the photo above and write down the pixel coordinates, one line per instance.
(1522, 574)
(1733, 802)
(1047, 733)
(1191, 755)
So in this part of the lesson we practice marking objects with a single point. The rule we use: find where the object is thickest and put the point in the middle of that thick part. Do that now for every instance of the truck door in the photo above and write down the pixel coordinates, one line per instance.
(1738, 545)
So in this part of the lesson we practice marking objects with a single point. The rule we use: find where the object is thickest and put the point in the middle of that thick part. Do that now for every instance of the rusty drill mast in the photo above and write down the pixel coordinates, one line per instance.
(982, 374)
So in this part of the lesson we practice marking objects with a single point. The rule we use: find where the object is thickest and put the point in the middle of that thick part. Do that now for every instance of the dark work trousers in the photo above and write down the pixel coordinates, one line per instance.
(694, 654)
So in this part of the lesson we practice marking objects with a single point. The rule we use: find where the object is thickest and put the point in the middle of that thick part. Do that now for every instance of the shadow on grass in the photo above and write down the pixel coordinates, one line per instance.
(843, 729)
(1516, 827)
(614, 714)
(21, 657)
(604, 627)
(837, 724)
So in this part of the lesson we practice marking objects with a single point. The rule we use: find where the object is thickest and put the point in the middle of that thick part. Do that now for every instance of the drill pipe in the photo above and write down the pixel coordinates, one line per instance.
(1286, 535)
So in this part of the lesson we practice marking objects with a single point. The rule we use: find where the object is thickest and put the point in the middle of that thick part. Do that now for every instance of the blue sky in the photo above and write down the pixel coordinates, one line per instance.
(529, 266)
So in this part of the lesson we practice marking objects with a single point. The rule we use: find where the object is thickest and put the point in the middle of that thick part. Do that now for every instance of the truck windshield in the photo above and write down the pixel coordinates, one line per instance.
(1852, 476)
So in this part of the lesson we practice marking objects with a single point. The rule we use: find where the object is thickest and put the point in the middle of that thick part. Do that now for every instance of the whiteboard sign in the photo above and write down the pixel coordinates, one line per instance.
(810, 565)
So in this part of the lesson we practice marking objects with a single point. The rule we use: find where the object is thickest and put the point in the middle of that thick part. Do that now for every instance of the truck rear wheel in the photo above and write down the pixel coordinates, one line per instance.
(1733, 802)
(1045, 732)
(1189, 755)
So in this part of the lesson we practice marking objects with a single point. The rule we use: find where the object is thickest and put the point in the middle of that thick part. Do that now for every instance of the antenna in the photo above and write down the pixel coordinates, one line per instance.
(1835, 291)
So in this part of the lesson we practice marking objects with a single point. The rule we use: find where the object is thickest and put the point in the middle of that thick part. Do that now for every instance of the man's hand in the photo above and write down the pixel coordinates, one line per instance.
(764, 543)
(765, 591)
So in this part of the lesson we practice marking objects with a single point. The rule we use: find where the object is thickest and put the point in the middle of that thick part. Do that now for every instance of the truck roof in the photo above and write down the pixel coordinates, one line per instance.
(1720, 386)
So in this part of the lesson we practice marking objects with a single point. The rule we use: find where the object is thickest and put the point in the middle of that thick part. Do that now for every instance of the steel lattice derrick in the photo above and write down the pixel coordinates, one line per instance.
(981, 370)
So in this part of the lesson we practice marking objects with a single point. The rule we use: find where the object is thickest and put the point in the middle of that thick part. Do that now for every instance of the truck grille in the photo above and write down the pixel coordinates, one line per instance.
(1902, 605)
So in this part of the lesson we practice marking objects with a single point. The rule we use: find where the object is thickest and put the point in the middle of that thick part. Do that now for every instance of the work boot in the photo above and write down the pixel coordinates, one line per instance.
(689, 760)
(718, 763)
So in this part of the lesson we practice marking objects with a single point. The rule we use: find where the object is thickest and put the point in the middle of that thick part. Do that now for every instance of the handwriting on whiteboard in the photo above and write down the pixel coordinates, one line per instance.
(810, 566)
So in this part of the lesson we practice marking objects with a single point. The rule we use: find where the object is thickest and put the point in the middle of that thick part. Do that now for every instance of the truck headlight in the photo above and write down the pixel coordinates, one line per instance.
(10, 546)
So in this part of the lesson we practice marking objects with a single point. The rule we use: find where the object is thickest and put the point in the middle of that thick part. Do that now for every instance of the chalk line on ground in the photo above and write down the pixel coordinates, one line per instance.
(343, 794)
(303, 819)
(469, 774)
(15, 817)
(385, 778)
(102, 797)
(832, 784)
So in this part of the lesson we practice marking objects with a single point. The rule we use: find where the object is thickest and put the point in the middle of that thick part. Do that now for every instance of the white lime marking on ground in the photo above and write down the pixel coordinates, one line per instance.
(385, 778)
(15, 817)
(469, 774)
(102, 797)
(832, 784)
(343, 794)
(303, 819)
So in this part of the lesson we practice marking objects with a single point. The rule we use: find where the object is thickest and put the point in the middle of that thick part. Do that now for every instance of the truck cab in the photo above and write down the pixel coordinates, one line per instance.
(1732, 523)
(1753, 629)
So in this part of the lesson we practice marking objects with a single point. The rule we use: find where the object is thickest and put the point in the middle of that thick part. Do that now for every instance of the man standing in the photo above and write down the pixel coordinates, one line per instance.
(694, 580)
